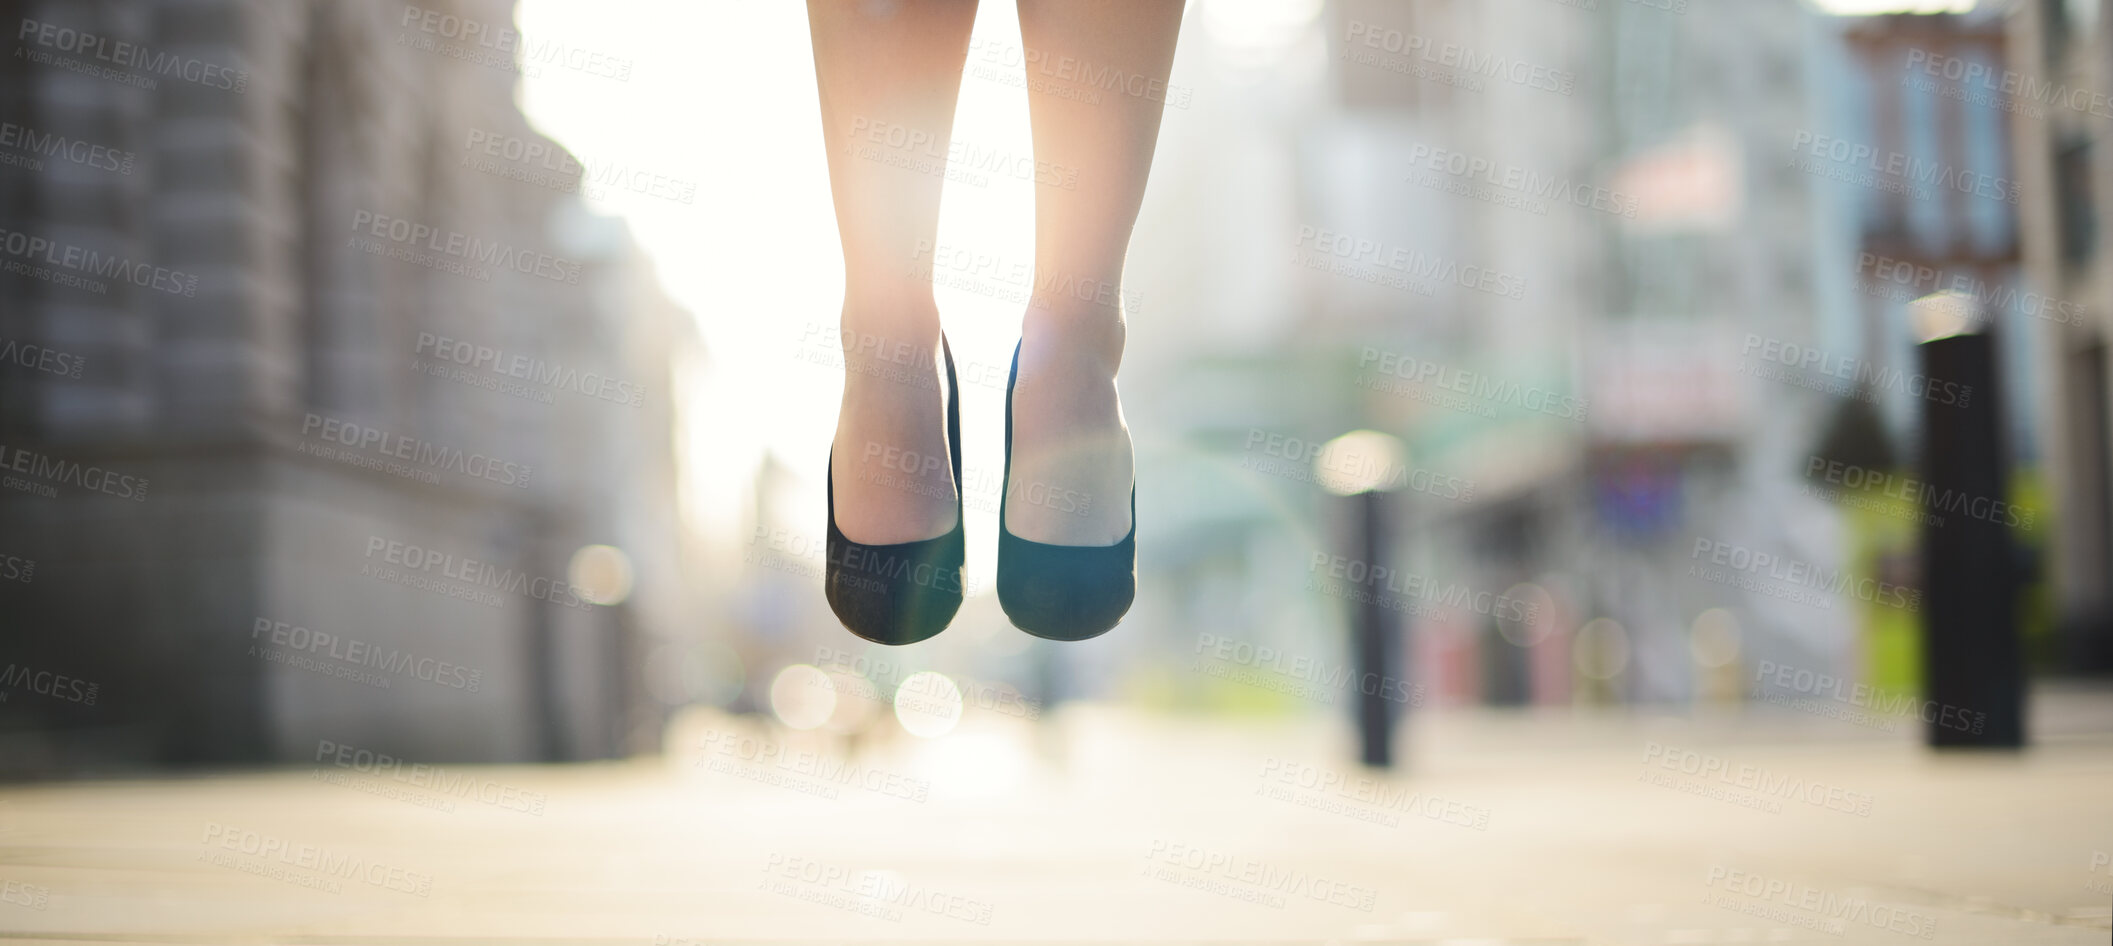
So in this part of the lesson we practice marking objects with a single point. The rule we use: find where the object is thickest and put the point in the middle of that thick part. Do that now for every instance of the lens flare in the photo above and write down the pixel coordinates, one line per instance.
(602, 573)
(802, 696)
(1602, 649)
(1714, 638)
(928, 704)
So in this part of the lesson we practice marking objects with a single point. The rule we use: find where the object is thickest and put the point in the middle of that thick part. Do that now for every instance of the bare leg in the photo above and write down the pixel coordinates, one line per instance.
(889, 72)
(1072, 460)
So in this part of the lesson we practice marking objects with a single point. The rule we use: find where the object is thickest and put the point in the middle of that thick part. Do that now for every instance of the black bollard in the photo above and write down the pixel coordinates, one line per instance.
(1372, 634)
(1363, 466)
(1973, 662)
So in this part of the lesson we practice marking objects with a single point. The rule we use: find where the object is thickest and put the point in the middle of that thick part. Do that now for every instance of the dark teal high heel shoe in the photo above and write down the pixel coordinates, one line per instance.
(1061, 592)
(909, 591)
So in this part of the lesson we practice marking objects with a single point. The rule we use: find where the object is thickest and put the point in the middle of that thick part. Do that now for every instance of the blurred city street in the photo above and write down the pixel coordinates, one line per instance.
(1670, 442)
(1111, 826)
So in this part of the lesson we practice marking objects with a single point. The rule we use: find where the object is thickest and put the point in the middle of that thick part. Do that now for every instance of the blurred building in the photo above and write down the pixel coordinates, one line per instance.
(2056, 88)
(1911, 95)
(1511, 235)
(349, 377)
(1547, 245)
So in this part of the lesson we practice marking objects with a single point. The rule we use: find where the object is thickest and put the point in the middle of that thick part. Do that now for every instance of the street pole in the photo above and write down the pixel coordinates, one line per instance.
(1364, 466)
(1973, 662)
(1374, 637)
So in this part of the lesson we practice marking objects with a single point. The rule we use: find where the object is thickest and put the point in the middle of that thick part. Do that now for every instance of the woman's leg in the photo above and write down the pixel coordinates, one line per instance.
(889, 72)
(1097, 72)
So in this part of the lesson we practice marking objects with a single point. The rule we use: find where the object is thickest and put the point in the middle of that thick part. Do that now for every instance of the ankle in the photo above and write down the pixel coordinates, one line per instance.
(893, 336)
(1071, 335)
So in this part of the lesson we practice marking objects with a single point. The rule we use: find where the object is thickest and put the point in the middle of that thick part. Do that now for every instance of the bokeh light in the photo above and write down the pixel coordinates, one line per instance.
(602, 573)
(803, 696)
(928, 704)
(1601, 649)
(1714, 638)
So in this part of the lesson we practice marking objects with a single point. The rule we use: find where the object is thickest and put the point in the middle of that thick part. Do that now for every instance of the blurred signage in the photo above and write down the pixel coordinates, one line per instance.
(1693, 182)
(1665, 383)
(1637, 493)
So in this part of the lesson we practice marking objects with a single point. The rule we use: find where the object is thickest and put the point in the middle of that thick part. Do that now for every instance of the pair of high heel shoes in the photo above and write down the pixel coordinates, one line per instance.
(909, 591)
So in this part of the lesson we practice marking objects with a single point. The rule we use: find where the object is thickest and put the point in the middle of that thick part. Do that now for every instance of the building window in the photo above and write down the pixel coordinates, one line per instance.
(2072, 181)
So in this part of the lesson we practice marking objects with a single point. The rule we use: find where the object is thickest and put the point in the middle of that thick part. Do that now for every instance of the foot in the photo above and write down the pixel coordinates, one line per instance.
(1072, 462)
(891, 464)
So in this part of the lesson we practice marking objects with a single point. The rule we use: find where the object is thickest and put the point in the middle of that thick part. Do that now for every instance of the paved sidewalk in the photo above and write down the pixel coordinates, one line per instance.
(1106, 826)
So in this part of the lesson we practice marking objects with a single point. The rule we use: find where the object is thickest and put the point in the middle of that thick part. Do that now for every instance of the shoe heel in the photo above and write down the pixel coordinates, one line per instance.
(906, 592)
(1061, 592)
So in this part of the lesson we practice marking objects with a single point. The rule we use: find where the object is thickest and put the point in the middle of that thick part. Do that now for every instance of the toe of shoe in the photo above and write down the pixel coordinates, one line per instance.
(1067, 604)
(888, 614)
